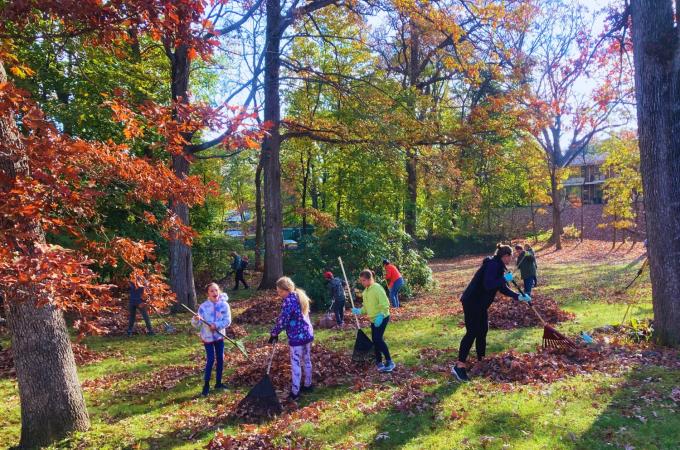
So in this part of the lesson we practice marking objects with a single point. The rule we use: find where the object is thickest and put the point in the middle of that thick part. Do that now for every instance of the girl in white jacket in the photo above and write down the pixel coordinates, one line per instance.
(213, 318)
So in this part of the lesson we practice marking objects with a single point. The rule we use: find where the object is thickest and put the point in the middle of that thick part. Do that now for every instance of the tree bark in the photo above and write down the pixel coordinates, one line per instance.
(181, 260)
(657, 86)
(52, 403)
(556, 212)
(410, 211)
(271, 148)
(258, 215)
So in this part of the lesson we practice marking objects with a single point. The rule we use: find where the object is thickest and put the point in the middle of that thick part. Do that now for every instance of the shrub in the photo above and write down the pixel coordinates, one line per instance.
(453, 245)
(212, 257)
(360, 248)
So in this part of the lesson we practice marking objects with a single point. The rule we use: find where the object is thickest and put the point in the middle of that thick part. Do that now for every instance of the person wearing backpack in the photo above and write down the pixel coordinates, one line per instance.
(336, 291)
(526, 263)
(239, 265)
(491, 277)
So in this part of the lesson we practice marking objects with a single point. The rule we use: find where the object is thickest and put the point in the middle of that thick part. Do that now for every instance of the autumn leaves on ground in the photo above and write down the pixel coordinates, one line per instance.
(622, 392)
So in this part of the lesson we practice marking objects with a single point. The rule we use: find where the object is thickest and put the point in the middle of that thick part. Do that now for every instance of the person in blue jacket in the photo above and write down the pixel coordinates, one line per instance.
(137, 303)
(490, 278)
(212, 320)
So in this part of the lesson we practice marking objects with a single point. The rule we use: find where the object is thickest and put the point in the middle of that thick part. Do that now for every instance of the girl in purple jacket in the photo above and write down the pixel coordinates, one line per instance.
(294, 318)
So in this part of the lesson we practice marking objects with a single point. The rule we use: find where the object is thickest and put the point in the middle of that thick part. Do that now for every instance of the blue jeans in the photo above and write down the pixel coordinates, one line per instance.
(394, 292)
(529, 284)
(214, 350)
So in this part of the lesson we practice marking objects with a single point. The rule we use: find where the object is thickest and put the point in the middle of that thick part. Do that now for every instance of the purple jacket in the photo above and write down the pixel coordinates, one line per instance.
(298, 327)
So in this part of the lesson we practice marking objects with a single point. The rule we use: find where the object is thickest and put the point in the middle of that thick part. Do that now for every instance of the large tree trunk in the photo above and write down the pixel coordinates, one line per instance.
(52, 403)
(410, 211)
(657, 86)
(556, 212)
(271, 147)
(258, 215)
(181, 261)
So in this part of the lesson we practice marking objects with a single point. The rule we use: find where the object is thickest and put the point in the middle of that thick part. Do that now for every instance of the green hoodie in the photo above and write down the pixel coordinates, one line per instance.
(375, 302)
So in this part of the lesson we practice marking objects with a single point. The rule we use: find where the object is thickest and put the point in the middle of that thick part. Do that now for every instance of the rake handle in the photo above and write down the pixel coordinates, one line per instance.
(543, 322)
(271, 358)
(349, 289)
(216, 330)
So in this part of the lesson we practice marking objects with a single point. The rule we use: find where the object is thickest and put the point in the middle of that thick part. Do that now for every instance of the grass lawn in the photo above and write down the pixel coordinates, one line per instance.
(630, 410)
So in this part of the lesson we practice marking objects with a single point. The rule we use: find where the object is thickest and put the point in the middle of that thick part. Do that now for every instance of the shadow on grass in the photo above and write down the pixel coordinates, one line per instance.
(640, 415)
(403, 427)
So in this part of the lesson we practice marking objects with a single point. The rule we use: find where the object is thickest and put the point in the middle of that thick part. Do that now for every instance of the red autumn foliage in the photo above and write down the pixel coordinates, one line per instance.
(506, 315)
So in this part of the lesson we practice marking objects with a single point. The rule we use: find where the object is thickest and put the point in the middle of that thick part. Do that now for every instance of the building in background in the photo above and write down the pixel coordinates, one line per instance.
(586, 180)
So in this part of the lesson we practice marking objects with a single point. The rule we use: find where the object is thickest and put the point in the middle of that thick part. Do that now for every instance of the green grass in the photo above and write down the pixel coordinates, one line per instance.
(597, 411)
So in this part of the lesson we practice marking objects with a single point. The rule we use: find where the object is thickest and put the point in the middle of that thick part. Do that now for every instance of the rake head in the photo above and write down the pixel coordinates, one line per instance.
(554, 339)
(363, 347)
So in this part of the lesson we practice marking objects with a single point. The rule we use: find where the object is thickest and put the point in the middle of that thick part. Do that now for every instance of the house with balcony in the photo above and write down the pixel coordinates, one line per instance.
(586, 180)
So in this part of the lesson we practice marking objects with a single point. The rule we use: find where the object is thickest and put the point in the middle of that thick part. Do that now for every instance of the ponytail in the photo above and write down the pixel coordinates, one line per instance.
(503, 250)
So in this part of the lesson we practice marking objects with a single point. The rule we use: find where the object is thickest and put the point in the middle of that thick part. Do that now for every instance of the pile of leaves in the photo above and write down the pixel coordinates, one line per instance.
(506, 315)
(236, 331)
(263, 309)
(81, 353)
(256, 441)
(330, 368)
(412, 399)
(633, 332)
(164, 379)
(542, 366)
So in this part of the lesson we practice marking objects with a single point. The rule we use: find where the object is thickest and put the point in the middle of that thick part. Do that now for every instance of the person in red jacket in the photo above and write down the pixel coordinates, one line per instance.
(394, 282)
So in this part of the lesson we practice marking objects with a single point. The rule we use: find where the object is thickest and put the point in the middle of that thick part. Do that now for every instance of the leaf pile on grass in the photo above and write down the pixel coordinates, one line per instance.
(542, 366)
(412, 399)
(330, 368)
(256, 441)
(81, 353)
(508, 314)
(235, 331)
(427, 305)
(104, 383)
(261, 309)
(164, 379)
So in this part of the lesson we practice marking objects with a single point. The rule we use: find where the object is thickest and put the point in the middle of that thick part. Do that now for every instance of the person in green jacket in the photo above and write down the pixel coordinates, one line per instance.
(377, 307)
(526, 263)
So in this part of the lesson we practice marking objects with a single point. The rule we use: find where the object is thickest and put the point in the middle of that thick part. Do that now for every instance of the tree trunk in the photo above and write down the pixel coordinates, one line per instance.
(556, 213)
(258, 215)
(305, 182)
(52, 403)
(657, 85)
(410, 211)
(181, 262)
(271, 147)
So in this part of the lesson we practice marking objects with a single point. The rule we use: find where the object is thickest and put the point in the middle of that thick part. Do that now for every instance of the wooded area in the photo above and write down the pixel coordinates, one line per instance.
(144, 141)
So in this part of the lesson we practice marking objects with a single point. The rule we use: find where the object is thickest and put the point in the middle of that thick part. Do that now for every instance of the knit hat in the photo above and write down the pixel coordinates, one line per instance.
(386, 261)
(328, 275)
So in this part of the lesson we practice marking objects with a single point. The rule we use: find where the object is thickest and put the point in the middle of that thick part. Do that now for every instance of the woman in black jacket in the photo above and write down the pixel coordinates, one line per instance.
(490, 278)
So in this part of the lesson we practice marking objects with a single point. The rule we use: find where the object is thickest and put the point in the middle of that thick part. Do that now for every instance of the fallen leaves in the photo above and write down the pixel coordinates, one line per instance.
(412, 399)
(164, 379)
(81, 353)
(506, 315)
(261, 309)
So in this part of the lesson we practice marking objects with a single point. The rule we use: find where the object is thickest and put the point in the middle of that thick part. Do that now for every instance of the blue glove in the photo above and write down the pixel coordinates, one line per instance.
(356, 311)
(586, 337)
(524, 298)
(378, 320)
(508, 277)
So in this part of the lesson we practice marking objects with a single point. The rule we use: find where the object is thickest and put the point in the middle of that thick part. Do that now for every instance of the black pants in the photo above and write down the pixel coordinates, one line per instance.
(379, 345)
(239, 277)
(476, 327)
(339, 310)
(133, 313)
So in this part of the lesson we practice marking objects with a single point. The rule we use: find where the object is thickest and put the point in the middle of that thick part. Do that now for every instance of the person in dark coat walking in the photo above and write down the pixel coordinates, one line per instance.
(490, 278)
(336, 290)
(136, 303)
(239, 265)
(526, 263)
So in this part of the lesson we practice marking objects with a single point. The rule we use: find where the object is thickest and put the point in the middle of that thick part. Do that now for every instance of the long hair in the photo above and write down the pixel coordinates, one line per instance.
(288, 285)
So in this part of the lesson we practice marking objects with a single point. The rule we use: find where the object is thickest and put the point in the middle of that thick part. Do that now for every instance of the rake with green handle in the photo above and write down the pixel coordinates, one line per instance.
(236, 343)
